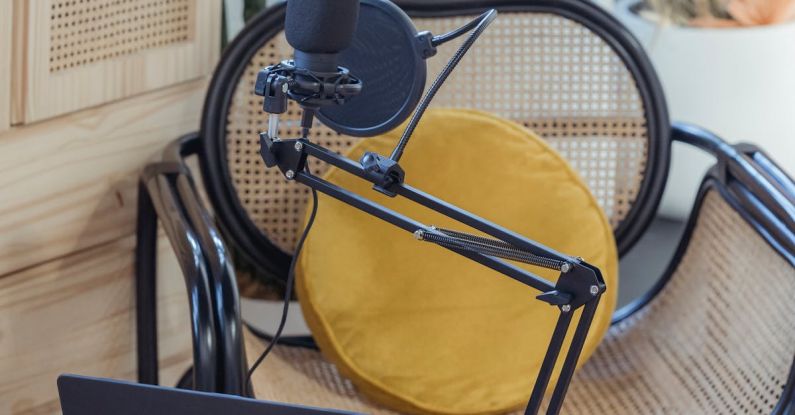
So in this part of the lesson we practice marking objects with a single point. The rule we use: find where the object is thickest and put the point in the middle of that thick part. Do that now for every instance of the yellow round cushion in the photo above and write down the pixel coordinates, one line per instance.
(423, 330)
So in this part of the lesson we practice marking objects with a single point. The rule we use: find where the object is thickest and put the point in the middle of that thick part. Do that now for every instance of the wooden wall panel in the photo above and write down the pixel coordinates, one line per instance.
(76, 315)
(70, 183)
(5, 64)
(78, 55)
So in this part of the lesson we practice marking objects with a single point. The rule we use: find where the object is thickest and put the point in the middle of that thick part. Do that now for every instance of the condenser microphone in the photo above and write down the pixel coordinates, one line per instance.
(319, 30)
(358, 65)
(365, 54)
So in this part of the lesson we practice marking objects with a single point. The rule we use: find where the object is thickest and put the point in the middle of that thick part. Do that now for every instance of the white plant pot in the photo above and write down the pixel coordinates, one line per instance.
(739, 83)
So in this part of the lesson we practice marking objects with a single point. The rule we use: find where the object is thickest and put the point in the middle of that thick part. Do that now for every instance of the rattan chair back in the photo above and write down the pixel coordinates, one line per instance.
(564, 69)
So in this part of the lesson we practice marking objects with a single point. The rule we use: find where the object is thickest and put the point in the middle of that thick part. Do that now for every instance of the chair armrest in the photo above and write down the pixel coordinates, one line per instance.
(751, 183)
(763, 189)
(167, 193)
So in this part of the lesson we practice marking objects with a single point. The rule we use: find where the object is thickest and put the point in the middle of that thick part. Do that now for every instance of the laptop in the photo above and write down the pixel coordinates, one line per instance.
(81, 395)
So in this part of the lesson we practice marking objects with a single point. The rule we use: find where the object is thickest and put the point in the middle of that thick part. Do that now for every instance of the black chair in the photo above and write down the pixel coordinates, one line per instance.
(715, 335)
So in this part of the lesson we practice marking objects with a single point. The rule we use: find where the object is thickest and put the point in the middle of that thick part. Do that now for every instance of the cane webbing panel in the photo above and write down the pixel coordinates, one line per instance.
(83, 32)
(551, 74)
(719, 339)
(302, 376)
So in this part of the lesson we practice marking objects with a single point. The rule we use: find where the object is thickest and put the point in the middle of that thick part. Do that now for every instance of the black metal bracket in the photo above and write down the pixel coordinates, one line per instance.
(580, 285)
(288, 155)
(385, 173)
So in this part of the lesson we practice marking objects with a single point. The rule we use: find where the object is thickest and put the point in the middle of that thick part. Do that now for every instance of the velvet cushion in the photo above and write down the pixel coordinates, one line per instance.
(420, 329)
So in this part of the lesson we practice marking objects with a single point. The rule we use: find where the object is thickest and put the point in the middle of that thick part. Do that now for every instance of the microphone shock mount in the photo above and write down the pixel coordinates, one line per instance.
(309, 88)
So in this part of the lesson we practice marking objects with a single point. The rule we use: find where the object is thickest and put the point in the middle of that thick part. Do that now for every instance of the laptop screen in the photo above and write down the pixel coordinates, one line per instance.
(82, 395)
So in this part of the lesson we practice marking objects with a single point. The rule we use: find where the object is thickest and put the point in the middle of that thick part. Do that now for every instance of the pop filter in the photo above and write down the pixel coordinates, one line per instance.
(388, 56)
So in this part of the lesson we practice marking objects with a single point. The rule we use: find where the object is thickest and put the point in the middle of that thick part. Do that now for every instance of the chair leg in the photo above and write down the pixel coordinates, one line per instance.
(145, 288)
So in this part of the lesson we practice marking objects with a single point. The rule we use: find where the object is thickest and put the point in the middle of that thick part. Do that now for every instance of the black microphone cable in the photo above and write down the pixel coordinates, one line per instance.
(477, 26)
(288, 292)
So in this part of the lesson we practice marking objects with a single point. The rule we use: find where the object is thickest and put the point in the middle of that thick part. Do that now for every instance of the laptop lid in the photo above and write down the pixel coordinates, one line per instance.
(81, 395)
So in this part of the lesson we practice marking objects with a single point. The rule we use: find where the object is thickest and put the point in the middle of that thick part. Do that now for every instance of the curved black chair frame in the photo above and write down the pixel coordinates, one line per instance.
(744, 175)
(167, 192)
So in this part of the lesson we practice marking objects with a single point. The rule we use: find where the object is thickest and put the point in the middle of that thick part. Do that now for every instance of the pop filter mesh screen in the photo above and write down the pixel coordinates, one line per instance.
(544, 71)
(383, 57)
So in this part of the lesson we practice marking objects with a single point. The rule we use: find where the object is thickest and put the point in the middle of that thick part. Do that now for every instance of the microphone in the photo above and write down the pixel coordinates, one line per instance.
(318, 30)
(343, 46)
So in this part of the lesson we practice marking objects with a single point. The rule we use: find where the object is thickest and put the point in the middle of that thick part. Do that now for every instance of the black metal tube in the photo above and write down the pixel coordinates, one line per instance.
(440, 206)
(146, 289)
(739, 167)
(775, 172)
(192, 262)
(479, 223)
(223, 286)
(548, 365)
(575, 349)
(231, 364)
(410, 225)
(330, 157)
(778, 229)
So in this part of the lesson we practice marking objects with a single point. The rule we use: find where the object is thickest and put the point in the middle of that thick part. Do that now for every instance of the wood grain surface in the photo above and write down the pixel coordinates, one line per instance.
(70, 183)
(5, 64)
(76, 315)
(133, 59)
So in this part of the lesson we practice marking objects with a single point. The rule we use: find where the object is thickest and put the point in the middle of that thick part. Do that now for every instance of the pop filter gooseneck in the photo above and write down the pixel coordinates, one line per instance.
(477, 27)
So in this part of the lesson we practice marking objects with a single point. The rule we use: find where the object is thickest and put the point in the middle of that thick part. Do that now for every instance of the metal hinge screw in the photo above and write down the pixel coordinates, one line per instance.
(419, 234)
(565, 267)
(565, 308)
(298, 146)
(594, 290)
(289, 174)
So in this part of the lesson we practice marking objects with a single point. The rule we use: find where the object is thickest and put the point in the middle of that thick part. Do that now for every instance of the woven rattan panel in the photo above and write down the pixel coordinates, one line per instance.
(87, 31)
(302, 376)
(275, 205)
(719, 339)
(546, 72)
(565, 83)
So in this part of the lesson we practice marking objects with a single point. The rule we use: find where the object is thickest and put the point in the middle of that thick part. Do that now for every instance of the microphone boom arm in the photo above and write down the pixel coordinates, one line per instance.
(580, 285)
